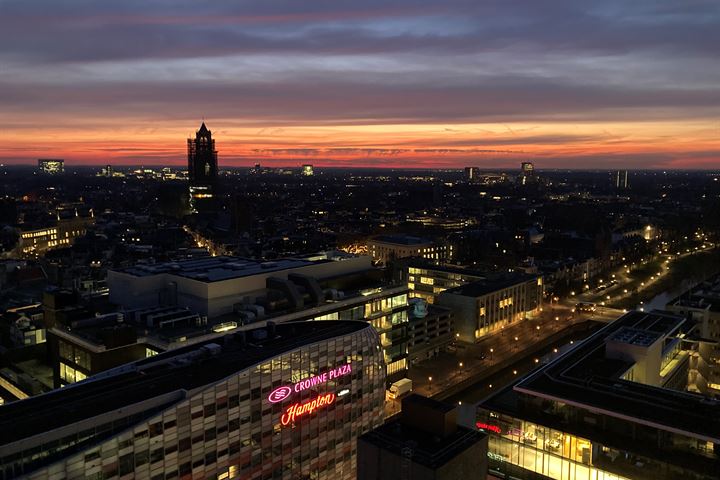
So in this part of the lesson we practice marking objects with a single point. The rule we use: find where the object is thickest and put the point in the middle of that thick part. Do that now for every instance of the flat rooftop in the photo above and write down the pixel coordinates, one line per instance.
(479, 288)
(214, 269)
(585, 378)
(426, 449)
(185, 368)
(417, 262)
(402, 240)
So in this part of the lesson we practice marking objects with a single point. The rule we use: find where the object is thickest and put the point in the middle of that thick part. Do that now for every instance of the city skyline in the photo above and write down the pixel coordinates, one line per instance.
(408, 84)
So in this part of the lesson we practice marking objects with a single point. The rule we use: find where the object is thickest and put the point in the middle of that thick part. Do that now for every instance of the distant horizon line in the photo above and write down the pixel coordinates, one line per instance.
(324, 167)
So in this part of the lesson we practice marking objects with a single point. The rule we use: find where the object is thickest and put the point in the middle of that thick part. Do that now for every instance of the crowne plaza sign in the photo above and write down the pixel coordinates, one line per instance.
(323, 400)
(283, 392)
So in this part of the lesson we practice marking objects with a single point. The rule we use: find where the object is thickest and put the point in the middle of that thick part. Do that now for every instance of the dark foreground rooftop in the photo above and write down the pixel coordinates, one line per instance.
(431, 447)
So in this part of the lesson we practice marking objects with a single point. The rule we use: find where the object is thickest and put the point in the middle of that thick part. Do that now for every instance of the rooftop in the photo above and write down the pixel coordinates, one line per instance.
(402, 240)
(488, 285)
(183, 369)
(431, 449)
(586, 378)
(213, 269)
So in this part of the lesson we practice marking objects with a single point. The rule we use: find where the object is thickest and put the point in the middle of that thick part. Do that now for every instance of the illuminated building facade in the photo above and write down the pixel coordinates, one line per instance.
(612, 408)
(241, 292)
(485, 306)
(527, 173)
(202, 166)
(386, 248)
(621, 179)
(284, 401)
(307, 170)
(701, 305)
(472, 174)
(71, 224)
(51, 166)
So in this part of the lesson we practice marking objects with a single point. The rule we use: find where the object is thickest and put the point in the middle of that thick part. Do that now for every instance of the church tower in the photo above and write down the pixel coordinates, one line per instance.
(202, 165)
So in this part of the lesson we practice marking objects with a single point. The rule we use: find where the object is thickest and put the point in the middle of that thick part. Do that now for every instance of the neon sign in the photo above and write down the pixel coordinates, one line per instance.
(283, 392)
(485, 426)
(279, 394)
(297, 410)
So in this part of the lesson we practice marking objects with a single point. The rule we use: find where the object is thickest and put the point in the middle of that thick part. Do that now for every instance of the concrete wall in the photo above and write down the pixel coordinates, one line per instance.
(212, 298)
(465, 311)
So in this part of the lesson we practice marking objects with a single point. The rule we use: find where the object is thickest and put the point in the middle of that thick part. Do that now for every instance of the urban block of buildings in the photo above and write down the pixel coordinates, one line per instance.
(386, 248)
(615, 407)
(280, 401)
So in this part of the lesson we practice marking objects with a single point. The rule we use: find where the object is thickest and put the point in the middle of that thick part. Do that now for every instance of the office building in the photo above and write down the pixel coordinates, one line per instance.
(527, 173)
(69, 223)
(387, 248)
(51, 166)
(202, 166)
(430, 330)
(170, 305)
(621, 179)
(486, 306)
(427, 280)
(701, 306)
(307, 170)
(612, 407)
(425, 443)
(472, 174)
(283, 401)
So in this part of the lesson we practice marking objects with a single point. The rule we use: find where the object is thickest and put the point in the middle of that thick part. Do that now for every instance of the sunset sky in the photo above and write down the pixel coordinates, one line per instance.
(391, 83)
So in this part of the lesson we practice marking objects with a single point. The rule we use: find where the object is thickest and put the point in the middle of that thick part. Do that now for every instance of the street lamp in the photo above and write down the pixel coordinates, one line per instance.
(430, 383)
(491, 354)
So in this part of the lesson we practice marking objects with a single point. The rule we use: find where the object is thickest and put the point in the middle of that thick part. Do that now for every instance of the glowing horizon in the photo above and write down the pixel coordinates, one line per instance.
(399, 84)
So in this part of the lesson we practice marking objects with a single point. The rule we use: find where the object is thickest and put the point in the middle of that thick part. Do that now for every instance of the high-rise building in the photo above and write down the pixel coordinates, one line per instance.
(202, 165)
(472, 174)
(621, 179)
(527, 173)
(614, 406)
(425, 443)
(307, 170)
(282, 401)
(51, 166)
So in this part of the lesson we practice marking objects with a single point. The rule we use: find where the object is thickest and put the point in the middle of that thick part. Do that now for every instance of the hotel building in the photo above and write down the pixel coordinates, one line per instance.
(612, 408)
(284, 401)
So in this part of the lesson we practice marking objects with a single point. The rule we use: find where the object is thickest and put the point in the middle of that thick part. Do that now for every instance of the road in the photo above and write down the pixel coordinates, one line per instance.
(447, 369)
(623, 284)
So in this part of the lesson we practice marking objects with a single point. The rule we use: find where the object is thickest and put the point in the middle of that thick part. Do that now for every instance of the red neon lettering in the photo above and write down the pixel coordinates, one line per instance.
(301, 409)
(485, 426)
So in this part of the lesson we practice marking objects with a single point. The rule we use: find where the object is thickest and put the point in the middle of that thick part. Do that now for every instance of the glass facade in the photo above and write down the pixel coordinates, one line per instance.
(518, 448)
(232, 429)
(389, 316)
